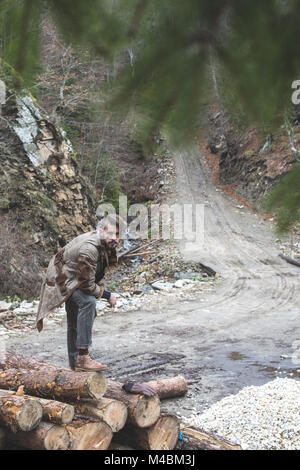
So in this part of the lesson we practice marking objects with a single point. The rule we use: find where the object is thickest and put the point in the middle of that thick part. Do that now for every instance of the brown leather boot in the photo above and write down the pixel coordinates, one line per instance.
(86, 363)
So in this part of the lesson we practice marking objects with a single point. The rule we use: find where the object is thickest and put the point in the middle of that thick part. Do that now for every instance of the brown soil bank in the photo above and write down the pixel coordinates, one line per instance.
(247, 165)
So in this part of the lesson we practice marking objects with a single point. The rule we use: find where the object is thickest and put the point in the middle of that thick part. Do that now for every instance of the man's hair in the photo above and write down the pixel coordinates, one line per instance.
(109, 219)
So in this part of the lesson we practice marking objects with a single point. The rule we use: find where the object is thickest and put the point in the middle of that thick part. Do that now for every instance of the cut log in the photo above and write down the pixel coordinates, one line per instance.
(53, 384)
(46, 436)
(53, 411)
(112, 412)
(89, 434)
(198, 440)
(169, 387)
(290, 260)
(20, 413)
(14, 361)
(162, 435)
(142, 411)
(56, 411)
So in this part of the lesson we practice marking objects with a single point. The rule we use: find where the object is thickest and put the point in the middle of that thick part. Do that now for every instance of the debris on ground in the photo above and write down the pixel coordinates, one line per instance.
(137, 282)
(262, 417)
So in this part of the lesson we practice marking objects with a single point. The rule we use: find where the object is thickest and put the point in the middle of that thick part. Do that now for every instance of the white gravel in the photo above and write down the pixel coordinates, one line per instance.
(258, 417)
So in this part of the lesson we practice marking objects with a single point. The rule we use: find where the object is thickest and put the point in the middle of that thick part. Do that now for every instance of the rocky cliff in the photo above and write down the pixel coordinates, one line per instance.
(44, 201)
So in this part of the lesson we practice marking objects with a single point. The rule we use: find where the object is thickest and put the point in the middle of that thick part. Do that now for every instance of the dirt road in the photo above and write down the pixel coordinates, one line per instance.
(244, 332)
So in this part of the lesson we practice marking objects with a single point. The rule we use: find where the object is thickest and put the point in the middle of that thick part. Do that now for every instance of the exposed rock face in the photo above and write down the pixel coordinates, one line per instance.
(44, 201)
(249, 163)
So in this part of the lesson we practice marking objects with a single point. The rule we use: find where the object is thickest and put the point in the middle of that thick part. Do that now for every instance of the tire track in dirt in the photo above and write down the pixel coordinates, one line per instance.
(244, 280)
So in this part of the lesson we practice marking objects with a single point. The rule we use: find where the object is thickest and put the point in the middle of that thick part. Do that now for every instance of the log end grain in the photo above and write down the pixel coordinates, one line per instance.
(29, 415)
(147, 411)
(89, 436)
(97, 385)
(67, 414)
(164, 433)
(57, 438)
(115, 415)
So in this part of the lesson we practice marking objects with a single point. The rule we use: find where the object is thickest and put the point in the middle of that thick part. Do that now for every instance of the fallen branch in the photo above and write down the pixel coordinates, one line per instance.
(140, 254)
(289, 260)
(197, 440)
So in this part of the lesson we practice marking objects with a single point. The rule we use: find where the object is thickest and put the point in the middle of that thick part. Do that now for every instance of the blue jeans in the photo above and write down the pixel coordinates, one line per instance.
(81, 311)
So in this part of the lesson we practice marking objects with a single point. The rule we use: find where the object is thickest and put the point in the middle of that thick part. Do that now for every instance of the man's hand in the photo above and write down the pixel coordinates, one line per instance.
(112, 300)
(140, 388)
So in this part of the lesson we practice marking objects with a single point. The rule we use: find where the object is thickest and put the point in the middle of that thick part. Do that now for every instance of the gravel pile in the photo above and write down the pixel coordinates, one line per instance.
(258, 417)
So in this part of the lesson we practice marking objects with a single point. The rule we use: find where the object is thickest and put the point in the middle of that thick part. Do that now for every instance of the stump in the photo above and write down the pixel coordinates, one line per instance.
(142, 411)
(89, 434)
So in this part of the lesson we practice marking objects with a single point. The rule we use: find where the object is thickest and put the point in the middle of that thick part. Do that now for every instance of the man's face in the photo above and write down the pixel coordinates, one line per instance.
(110, 235)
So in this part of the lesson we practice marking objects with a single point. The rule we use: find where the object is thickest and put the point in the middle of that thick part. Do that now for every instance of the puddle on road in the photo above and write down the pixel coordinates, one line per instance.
(236, 356)
(275, 368)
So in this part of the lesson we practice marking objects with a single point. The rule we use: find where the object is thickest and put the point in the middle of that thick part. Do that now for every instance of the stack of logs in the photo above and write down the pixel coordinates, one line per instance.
(47, 407)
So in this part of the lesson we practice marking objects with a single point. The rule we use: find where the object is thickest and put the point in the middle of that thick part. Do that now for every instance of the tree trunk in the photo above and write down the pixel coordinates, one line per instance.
(19, 413)
(112, 412)
(56, 411)
(142, 411)
(89, 434)
(46, 436)
(170, 387)
(53, 384)
(162, 435)
(197, 440)
(14, 361)
(53, 411)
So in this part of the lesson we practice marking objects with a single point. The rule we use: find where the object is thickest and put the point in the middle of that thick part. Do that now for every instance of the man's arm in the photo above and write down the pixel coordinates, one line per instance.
(139, 388)
(86, 270)
(111, 298)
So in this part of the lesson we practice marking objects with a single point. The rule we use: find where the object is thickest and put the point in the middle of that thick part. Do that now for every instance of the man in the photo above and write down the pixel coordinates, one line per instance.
(72, 277)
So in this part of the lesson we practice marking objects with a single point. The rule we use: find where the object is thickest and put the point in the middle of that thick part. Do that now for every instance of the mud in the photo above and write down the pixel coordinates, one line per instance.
(242, 332)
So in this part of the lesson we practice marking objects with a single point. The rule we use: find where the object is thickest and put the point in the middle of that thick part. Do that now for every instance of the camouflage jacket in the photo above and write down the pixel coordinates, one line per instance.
(79, 265)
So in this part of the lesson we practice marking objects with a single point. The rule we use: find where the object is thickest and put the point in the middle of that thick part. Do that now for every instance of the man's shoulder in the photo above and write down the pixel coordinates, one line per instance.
(87, 237)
